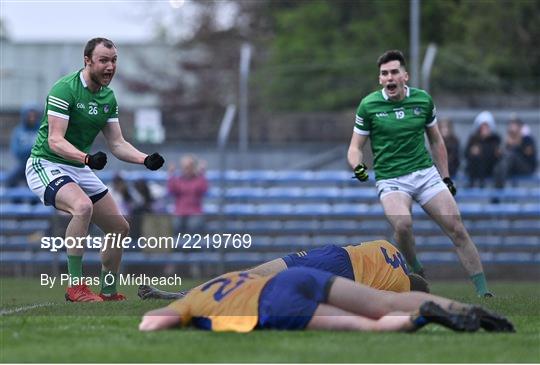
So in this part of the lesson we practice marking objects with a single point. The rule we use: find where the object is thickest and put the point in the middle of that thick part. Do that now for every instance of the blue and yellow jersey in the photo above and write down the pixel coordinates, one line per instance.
(227, 303)
(380, 265)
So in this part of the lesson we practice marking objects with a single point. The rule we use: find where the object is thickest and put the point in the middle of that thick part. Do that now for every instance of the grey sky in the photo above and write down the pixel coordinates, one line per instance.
(46, 20)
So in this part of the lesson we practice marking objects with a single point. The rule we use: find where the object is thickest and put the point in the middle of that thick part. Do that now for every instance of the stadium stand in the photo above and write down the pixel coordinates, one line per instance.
(286, 211)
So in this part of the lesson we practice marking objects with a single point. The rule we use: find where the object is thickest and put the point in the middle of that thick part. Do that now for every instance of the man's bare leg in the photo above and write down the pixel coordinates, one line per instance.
(397, 208)
(72, 199)
(371, 303)
(108, 218)
(328, 317)
(443, 209)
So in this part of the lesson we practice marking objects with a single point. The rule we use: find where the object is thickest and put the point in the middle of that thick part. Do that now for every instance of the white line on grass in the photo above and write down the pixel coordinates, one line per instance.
(5, 312)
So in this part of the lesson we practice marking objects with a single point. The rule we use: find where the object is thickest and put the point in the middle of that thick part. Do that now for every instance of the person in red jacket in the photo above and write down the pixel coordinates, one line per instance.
(188, 190)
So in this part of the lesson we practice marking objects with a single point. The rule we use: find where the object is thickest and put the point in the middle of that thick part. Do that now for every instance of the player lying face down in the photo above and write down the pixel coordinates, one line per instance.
(377, 264)
(305, 298)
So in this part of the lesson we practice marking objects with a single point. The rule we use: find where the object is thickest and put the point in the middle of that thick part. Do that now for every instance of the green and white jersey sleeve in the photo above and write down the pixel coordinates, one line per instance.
(60, 101)
(431, 120)
(362, 121)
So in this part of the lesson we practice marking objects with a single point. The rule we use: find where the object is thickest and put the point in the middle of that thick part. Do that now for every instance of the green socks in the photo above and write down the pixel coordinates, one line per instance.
(416, 266)
(75, 266)
(108, 282)
(480, 283)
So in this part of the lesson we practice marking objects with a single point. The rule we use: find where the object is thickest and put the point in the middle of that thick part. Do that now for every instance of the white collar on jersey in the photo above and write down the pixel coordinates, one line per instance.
(83, 81)
(407, 93)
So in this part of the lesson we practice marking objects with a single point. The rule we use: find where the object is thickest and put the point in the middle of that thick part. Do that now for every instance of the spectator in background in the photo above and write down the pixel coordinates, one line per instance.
(483, 149)
(142, 205)
(188, 190)
(22, 141)
(518, 154)
(452, 146)
(121, 194)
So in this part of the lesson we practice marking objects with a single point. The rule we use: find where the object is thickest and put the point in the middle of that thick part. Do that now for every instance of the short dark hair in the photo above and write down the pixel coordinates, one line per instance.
(392, 55)
(92, 43)
(418, 283)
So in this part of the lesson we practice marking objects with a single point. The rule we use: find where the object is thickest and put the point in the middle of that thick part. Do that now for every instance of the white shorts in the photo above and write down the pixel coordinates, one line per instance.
(45, 178)
(421, 185)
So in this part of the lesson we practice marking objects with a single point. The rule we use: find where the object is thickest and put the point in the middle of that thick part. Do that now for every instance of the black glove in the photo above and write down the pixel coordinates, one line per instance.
(154, 161)
(96, 161)
(360, 172)
(450, 184)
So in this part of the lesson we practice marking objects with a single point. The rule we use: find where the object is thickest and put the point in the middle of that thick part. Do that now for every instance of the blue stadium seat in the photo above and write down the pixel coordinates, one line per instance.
(301, 225)
(274, 209)
(9, 257)
(529, 223)
(262, 225)
(437, 257)
(358, 193)
(284, 192)
(24, 210)
(210, 208)
(257, 175)
(312, 209)
(292, 176)
(239, 209)
(244, 258)
(259, 241)
(514, 257)
(322, 192)
(20, 192)
(292, 242)
(321, 240)
(527, 241)
(340, 224)
(350, 209)
(332, 176)
(245, 193)
(427, 242)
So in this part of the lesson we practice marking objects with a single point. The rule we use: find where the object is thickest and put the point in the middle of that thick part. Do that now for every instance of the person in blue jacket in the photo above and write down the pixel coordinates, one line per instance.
(22, 140)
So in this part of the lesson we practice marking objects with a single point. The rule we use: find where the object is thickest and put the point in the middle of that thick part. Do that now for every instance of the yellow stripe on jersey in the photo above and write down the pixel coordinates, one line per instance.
(227, 303)
(380, 265)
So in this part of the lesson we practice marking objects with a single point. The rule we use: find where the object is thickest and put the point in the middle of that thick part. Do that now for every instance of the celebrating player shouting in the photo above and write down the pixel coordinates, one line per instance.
(395, 119)
(59, 170)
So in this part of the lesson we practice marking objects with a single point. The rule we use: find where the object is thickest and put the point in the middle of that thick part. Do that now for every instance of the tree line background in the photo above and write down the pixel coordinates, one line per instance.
(320, 54)
(315, 56)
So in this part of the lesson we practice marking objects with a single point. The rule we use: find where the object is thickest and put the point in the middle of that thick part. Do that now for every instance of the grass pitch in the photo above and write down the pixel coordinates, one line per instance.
(37, 325)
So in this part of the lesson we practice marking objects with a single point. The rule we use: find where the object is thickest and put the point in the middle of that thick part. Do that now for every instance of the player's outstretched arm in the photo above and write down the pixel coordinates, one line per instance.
(159, 319)
(124, 151)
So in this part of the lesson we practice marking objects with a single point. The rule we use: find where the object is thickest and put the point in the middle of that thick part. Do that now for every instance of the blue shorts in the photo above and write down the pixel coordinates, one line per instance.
(331, 258)
(290, 298)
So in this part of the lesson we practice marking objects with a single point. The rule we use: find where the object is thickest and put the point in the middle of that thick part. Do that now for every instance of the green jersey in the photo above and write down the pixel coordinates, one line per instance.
(396, 130)
(86, 112)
